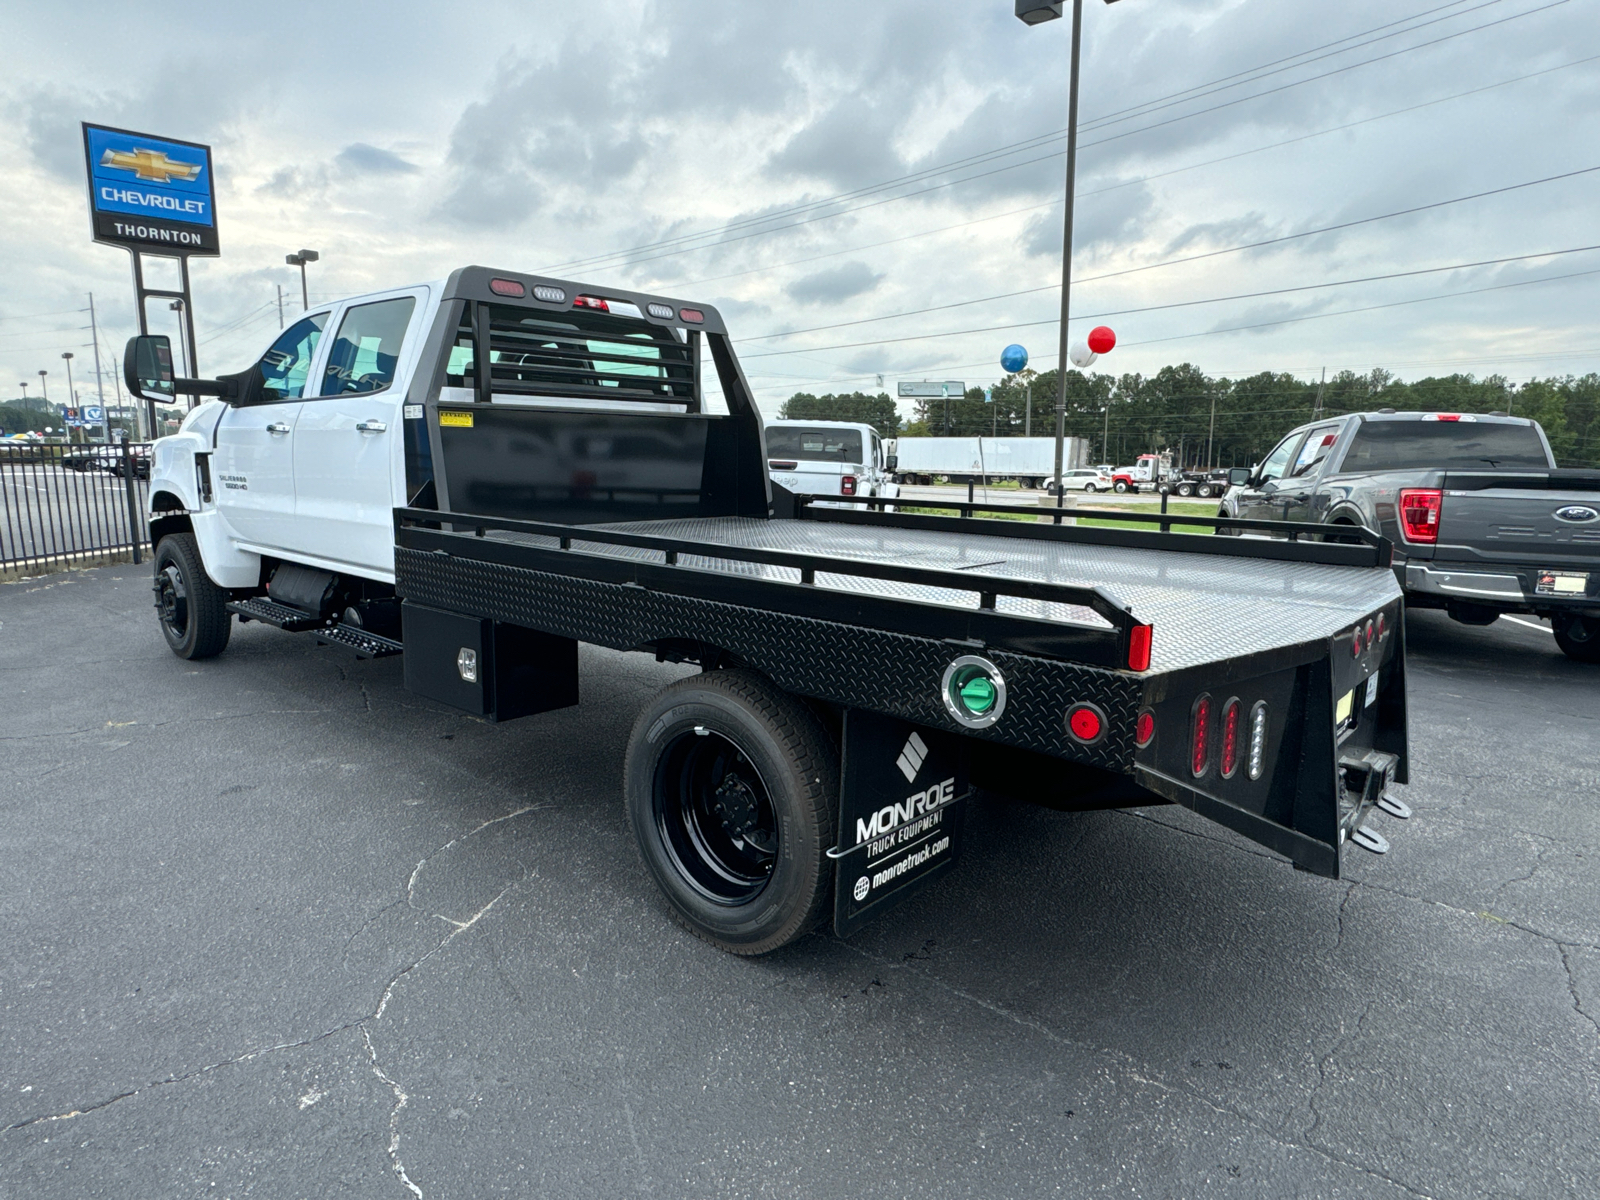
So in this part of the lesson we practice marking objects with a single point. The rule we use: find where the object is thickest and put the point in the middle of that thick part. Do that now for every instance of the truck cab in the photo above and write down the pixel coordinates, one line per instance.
(829, 458)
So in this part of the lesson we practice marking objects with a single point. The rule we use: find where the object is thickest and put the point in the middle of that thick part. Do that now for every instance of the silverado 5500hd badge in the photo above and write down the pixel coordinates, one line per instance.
(891, 839)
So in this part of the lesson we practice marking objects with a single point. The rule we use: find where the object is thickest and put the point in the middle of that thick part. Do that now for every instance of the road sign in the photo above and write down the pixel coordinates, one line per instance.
(933, 389)
(150, 193)
(94, 414)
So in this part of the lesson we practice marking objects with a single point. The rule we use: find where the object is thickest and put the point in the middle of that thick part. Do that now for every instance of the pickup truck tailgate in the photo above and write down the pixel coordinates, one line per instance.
(1548, 520)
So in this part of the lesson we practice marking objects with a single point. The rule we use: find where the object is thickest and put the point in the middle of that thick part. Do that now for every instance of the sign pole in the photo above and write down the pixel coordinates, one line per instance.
(1066, 246)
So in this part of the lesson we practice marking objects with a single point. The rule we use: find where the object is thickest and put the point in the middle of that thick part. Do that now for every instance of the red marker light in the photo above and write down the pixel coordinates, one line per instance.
(1230, 738)
(1200, 738)
(1355, 643)
(693, 315)
(507, 287)
(1144, 729)
(1139, 648)
(593, 302)
(1084, 723)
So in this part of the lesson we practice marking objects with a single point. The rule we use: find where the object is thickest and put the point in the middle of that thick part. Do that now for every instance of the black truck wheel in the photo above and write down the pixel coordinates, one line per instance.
(732, 787)
(189, 605)
(1579, 638)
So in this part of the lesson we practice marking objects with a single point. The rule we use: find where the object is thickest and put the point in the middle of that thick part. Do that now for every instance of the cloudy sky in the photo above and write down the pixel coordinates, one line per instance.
(833, 165)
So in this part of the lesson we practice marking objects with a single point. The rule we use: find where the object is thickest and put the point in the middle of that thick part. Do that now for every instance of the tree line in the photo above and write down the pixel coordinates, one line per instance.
(1204, 420)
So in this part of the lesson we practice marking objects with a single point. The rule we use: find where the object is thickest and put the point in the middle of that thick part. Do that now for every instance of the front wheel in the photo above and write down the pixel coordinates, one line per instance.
(732, 790)
(1089, 487)
(191, 608)
(1579, 638)
(1119, 487)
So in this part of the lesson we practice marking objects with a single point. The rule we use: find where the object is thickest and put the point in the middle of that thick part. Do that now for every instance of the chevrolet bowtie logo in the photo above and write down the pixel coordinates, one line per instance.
(151, 165)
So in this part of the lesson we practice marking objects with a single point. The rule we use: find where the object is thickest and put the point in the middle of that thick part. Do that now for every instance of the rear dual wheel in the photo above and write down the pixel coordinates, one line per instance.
(732, 789)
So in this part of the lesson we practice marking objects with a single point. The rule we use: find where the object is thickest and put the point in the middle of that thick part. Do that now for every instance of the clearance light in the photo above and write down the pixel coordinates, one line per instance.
(1085, 723)
(1355, 642)
(1230, 738)
(1419, 514)
(593, 302)
(507, 287)
(664, 311)
(1200, 738)
(1139, 648)
(1258, 739)
(1144, 729)
(847, 485)
(974, 691)
(693, 315)
(550, 295)
(1371, 632)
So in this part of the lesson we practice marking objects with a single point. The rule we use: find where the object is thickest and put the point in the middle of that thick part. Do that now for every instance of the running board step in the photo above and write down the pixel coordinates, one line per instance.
(365, 644)
(270, 612)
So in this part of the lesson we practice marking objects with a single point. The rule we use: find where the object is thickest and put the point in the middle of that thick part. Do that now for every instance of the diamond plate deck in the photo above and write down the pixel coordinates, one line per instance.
(1204, 607)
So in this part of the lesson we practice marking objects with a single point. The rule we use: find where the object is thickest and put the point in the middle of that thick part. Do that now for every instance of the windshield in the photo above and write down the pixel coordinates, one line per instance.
(1452, 445)
(814, 445)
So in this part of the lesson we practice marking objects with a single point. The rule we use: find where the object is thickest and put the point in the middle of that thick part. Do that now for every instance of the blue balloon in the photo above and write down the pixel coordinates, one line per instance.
(1013, 358)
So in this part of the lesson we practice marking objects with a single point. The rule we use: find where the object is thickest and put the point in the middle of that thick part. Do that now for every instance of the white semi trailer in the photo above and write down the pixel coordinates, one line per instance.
(1031, 461)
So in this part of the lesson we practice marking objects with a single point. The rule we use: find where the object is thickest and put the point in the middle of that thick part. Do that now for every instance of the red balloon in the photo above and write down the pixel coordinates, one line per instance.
(1101, 339)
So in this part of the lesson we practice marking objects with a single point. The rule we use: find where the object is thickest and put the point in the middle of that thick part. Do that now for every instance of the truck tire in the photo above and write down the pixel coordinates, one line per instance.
(732, 789)
(1119, 487)
(1203, 491)
(190, 607)
(1186, 489)
(1579, 638)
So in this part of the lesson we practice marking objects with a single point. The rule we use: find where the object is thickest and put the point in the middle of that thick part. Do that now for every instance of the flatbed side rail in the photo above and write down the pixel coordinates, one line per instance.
(1365, 549)
(1126, 645)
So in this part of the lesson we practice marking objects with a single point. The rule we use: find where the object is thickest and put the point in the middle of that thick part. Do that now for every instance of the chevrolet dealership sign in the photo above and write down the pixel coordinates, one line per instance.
(150, 193)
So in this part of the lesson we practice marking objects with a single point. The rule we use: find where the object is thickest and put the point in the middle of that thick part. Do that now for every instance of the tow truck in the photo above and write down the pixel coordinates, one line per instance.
(482, 472)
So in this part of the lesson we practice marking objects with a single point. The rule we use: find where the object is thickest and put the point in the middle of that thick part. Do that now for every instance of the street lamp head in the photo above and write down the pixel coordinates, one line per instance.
(309, 256)
(66, 354)
(292, 259)
(1037, 12)
(44, 372)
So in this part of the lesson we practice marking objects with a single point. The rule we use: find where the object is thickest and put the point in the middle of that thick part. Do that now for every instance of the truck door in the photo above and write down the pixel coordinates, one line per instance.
(1258, 500)
(1299, 482)
(254, 459)
(345, 446)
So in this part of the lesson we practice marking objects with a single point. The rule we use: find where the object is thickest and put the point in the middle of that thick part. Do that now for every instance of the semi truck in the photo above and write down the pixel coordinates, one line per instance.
(1029, 461)
(478, 474)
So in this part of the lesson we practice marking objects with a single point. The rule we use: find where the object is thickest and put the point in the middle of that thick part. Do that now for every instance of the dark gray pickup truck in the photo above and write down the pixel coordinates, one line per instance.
(1482, 520)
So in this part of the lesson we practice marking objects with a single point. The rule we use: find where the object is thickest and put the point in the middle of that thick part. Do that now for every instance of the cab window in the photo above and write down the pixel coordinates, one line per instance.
(286, 365)
(366, 352)
(1318, 443)
(1273, 466)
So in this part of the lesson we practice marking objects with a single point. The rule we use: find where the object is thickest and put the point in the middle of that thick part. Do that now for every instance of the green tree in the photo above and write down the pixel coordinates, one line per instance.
(878, 411)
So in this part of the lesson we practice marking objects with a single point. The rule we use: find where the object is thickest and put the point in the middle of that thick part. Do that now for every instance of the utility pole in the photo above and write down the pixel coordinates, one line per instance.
(1027, 420)
(94, 336)
(280, 306)
(1211, 463)
(1316, 412)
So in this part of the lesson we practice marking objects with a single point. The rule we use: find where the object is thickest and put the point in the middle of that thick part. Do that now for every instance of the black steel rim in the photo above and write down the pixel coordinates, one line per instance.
(715, 817)
(172, 600)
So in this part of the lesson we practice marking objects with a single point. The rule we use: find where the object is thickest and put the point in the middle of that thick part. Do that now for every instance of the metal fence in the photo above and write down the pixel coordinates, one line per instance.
(66, 505)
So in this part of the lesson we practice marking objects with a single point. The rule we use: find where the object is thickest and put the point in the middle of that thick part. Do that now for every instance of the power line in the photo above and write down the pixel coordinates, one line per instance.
(1145, 178)
(599, 261)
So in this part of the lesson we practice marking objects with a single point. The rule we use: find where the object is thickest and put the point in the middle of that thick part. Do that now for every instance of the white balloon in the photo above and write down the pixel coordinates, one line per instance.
(1081, 355)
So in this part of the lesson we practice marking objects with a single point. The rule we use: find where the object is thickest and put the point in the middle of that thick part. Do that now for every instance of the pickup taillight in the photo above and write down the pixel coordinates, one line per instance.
(1419, 514)
(847, 485)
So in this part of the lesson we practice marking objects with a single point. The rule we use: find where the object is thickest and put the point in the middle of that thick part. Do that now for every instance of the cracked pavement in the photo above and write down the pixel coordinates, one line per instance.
(275, 927)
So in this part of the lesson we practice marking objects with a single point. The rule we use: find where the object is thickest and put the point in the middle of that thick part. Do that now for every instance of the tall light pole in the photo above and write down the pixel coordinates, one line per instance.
(1037, 12)
(44, 385)
(300, 260)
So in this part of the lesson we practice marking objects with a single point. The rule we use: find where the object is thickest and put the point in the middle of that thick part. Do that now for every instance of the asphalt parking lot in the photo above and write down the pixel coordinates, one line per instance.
(274, 927)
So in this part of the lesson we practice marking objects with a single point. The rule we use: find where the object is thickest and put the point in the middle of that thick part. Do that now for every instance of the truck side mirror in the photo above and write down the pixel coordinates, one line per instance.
(147, 368)
(246, 388)
(891, 462)
(1238, 476)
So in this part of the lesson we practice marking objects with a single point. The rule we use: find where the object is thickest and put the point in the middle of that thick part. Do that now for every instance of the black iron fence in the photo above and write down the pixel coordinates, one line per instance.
(69, 505)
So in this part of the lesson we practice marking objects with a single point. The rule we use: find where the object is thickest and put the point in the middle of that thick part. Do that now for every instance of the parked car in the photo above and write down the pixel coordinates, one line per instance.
(1482, 520)
(1086, 479)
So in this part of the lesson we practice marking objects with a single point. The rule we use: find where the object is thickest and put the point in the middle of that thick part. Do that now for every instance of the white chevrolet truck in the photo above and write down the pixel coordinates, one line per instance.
(480, 473)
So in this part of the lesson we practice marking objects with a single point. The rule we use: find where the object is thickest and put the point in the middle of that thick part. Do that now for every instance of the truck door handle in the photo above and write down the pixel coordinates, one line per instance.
(371, 426)
(277, 427)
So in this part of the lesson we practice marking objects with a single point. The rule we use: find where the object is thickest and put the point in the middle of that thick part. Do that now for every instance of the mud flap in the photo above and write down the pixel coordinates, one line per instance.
(902, 796)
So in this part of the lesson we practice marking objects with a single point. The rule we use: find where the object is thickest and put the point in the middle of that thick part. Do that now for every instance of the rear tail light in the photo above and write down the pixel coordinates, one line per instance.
(1230, 738)
(1419, 514)
(593, 302)
(1139, 648)
(1355, 642)
(847, 485)
(1258, 739)
(1200, 738)
(1085, 723)
(1144, 729)
(507, 287)
(693, 315)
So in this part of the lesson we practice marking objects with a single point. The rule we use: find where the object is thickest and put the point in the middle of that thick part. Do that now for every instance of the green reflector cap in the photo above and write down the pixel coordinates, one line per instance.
(978, 694)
